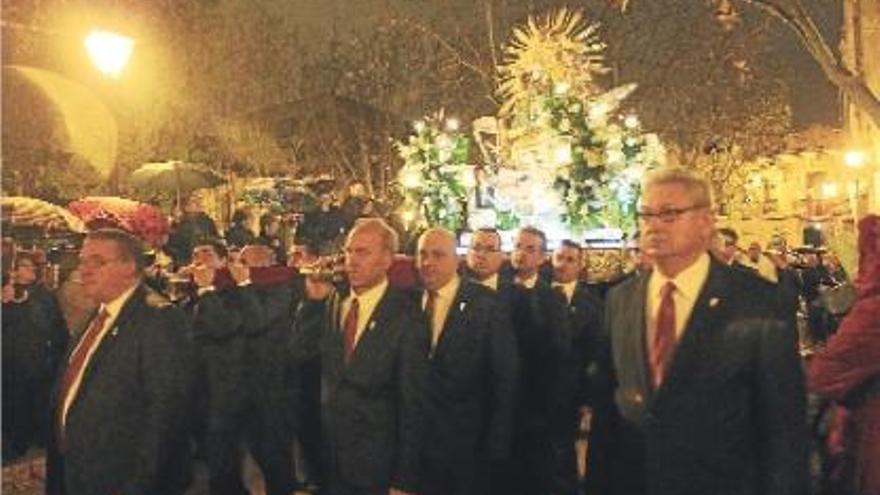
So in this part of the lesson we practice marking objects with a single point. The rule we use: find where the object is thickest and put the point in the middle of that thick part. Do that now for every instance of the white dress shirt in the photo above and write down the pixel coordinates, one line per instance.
(528, 283)
(688, 284)
(367, 302)
(567, 289)
(490, 282)
(113, 308)
(442, 302)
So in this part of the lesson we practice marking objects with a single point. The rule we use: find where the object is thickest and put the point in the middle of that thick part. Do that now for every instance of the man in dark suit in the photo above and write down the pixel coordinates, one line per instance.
(241, 352)
(708, 382)
(121, 407)
(484, 258)
(471, 389)
(301, 255)
(587, 361)
(374, 345)
(34, 340)
(540, 319)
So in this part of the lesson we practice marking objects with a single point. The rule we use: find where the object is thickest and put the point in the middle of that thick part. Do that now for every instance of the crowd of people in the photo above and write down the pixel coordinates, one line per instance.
(366, 372)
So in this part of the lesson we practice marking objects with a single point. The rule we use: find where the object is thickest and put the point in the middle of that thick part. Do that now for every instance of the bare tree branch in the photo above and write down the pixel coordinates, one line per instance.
(795, 16)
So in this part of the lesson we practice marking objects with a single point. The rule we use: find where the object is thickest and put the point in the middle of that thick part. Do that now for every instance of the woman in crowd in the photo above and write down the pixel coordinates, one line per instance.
(848, 371)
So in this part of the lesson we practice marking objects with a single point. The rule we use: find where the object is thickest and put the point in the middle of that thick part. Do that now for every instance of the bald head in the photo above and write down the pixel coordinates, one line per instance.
(436, 258)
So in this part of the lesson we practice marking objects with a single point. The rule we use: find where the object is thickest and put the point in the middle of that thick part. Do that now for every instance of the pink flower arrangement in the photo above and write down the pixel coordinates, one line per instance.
(140, 219)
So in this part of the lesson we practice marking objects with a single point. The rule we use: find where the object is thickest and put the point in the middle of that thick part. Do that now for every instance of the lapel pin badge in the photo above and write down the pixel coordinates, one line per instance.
(114, 331)
(714, 302)
(372, 324)
(462, 306)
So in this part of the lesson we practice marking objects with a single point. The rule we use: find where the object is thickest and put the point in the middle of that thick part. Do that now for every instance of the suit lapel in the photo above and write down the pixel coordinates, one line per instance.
(703, 321)
(335, 359)
(131, 307)
(382, 314)
(637, 323)
(454, 317)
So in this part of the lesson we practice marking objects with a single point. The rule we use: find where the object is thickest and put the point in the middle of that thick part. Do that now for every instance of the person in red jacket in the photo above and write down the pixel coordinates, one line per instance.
(848, 368)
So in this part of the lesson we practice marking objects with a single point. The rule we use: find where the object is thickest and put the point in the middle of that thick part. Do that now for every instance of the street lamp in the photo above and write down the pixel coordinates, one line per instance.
(854, 158)
(109, 51)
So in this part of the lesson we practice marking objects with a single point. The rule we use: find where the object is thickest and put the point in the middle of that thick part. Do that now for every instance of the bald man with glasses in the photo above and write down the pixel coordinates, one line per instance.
(708, 383)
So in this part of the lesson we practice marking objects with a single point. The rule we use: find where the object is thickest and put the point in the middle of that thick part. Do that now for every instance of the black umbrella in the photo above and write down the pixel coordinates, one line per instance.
(175, 176)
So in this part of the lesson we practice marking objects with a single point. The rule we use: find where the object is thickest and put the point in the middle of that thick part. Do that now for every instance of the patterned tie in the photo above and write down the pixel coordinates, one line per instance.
(664, 334)
(349, 329)
(430, 310)
(75, 366)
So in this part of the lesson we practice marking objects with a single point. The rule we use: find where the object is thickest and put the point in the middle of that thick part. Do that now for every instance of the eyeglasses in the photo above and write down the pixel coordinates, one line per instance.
(667, 215)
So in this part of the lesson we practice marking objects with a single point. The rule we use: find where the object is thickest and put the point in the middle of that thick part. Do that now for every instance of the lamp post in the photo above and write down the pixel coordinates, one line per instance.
(109, 51)
(855, 159)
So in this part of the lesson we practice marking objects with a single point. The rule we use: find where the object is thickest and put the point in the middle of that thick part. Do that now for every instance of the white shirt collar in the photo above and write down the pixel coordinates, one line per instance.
(371, 295)
(528, 283)
(688, 284)
(449, 290)
(490, 282)
(114, 307)
(443, 302)
(568, 288)
(367, 302)
(689, 281)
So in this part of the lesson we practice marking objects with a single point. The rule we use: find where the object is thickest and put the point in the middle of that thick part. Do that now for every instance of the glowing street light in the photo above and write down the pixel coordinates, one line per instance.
(854, 158)
(109, 51)
(829, 190)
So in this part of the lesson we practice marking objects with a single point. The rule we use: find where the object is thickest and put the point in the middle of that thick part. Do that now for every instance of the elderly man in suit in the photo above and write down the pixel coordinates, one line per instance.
(708, 382)
(121, 407)
(373, 342)
(472, 383)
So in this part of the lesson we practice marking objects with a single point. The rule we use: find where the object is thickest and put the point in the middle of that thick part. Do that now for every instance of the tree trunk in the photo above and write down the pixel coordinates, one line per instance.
(853, 86)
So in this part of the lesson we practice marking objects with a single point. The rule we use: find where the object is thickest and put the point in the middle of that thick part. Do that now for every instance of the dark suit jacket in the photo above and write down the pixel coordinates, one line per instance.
(729, 416)
(221, 320)
(543, 335)
(471, 391)
(127, 427)
(586, 311)
(589, 365)
(268, 364)
(372, 406)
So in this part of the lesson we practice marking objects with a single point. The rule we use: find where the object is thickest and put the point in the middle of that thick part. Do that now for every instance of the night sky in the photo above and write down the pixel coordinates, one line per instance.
(814, 100)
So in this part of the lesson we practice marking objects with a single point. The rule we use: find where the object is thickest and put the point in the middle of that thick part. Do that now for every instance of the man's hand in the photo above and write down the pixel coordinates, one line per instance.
(203, 276)
(8, 293)
(240, 272)
(585, 414)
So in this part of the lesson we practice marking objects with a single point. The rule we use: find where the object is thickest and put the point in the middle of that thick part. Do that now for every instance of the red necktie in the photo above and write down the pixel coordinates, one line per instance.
(76, 363)
(349, 328)
(664, 333)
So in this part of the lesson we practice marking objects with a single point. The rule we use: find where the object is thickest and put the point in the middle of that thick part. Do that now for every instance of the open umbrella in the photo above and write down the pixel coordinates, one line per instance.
(21, 211)
(175, 176)
(141, 219)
